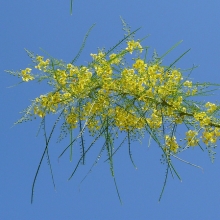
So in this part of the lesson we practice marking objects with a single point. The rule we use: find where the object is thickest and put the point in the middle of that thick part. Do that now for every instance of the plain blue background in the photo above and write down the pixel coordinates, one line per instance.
(48, 24)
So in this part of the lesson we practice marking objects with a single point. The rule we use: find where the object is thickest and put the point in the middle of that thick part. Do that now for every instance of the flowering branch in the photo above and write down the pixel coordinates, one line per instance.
(109, 96)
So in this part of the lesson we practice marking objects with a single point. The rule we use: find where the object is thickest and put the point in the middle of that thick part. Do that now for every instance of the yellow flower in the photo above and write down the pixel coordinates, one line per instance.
(26, 76)
(72, 119)
(114, 59)
(217, 132)
(39, 58)
(42, 64)
(194, 91)
(69, 66)
(191, 138)
(99, 57)
(139, 64)
(155, 121)
(132, 45)
(171, 143)
(209, 136)
(202, 118)
(188, 84)
(211, 107)
(39, 112)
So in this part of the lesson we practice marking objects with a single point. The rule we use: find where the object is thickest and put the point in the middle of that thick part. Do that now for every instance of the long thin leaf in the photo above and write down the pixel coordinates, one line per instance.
(42, 157)
(83, 44)
(129, 150)
(47, 153)
(172, 48)
(71, 6)
(165, 182)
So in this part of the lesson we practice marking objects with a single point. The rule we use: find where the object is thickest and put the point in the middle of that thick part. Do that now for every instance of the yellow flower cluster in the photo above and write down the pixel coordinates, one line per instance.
(109, 96)
(46, 103)
(114, 58)
(171, 143)
(155, 121)
(210, 135)
(144, 96)
(126, 120)
(41, 64)
(188, 83)
(202, 118)
(211, 107)
(26, 75)
(140, 65)
(132, 45)
(192, 139)
(72, 118)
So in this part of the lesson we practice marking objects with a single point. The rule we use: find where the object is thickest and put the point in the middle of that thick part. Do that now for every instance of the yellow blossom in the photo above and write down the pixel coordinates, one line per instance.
(42, 65)
(211, 107)
(132, 45)
(202, 118)
(191, 137)
(26, 75)
(139, 64)
(188, 84)
(171, 143)
(114, 59)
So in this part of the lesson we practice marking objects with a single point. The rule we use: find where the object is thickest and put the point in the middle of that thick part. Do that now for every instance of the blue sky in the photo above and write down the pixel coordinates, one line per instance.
(48, 24)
